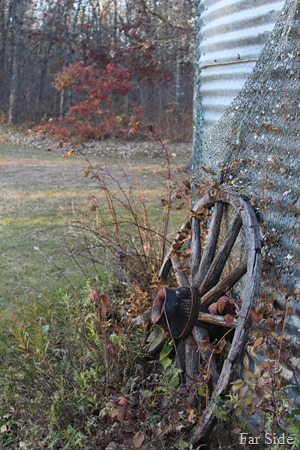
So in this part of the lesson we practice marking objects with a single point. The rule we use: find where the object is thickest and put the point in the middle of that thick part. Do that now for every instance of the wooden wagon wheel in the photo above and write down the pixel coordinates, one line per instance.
(182, 310)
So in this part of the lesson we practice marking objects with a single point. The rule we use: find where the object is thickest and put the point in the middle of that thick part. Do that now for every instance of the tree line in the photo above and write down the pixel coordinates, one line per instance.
(148, 44)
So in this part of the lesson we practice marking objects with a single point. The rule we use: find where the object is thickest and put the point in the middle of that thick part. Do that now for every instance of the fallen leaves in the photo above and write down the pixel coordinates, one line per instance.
(70, 153)
(165, 203)
(224, 306)
(138, 439)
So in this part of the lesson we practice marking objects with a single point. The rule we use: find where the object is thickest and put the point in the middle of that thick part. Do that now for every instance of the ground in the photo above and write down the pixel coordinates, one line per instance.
(41, 192)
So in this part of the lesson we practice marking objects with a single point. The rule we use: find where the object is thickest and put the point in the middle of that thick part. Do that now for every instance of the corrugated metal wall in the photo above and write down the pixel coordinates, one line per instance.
(229, 28)
(260, 130)
(232, 35)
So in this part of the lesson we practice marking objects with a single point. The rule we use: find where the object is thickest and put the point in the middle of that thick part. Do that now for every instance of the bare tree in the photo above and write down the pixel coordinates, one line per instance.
(17, 21)
(153, 40)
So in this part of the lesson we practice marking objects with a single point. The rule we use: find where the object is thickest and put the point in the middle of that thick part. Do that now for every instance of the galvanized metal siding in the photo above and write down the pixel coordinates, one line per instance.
(232, 35)
(260, 132)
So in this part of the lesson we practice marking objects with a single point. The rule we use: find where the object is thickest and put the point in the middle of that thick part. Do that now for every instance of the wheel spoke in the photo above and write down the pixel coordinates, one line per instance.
(211, 243)
(216, 320)
(192, 366)
(213, 275)
(202, 338)
(176, 245)
(179, 272)
(224, 286)
(165, 268)
(196, 248)
(179, 361)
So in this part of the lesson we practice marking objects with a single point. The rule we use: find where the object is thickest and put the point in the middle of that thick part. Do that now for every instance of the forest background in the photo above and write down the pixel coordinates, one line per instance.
(62, 59)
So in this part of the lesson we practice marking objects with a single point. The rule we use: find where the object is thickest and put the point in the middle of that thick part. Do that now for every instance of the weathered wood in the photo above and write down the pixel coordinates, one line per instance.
(165, 268)
(211, 244)
(192, 358)
(219, 261)
(176, 245)
(216, 320)
(195, 248)
(179, 272)
(224, 285)
(211, 289)
(192, 367)
(179, 361)
(253, 244)
(206, 201)
(201, 337)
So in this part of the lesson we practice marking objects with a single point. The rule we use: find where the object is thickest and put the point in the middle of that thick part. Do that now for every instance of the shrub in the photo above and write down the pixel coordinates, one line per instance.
(94, 110)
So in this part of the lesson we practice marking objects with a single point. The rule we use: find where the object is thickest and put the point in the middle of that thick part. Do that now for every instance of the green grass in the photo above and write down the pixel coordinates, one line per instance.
(41, 194)
(34, 210)
(61, 365)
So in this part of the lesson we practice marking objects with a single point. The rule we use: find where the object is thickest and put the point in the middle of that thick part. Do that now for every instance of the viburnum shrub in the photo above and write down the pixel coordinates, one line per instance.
(95, 111)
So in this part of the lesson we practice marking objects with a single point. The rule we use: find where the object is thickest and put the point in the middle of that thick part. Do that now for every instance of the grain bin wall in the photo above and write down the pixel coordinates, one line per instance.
(232, 35)
(247, 136)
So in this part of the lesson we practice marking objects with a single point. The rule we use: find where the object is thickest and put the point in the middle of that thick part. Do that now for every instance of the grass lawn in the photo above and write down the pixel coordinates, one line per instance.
(41, 194)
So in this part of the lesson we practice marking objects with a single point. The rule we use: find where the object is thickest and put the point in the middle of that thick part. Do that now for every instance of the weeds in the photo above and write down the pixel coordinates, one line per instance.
(73, 370)
(264, 397)
(54, 376)
(120, 224)
(74, 375)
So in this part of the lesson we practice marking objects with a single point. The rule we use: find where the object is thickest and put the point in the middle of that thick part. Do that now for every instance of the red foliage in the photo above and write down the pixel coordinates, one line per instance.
(94, 112)
(101, 301)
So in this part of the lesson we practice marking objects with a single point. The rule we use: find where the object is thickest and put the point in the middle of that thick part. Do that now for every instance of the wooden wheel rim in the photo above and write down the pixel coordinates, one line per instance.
(245, 218)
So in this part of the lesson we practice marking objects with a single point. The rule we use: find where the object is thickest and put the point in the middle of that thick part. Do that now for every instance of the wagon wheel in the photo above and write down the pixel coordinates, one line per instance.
(202, 279)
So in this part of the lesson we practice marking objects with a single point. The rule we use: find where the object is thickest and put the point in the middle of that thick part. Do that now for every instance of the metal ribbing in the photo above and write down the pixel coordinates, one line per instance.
(233, 33)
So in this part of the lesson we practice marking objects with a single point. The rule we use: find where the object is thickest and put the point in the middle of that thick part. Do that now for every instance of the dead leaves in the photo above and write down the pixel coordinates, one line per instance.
(258, 342)
(138, 301)
(165, 203)
(254, 315)
(138, 439)
(70, 153)
(224, 306)
(101, 300)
